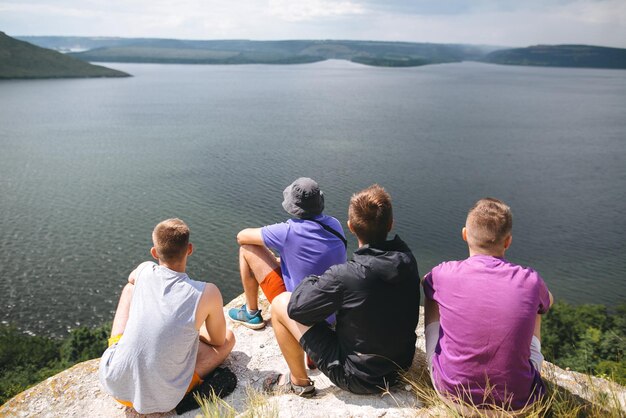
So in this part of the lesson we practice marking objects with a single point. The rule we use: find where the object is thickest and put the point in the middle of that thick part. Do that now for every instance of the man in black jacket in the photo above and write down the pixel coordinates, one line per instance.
(376, 299)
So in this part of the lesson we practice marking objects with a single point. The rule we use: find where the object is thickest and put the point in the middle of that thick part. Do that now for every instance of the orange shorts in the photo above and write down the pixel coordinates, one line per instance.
(273, 285)
(195, 379)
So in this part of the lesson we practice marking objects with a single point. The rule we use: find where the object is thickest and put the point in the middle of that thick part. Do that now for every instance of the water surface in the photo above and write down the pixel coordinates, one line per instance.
(88, 167)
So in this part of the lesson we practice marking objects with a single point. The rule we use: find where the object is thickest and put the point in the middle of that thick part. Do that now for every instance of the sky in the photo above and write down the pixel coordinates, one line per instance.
(491, 22)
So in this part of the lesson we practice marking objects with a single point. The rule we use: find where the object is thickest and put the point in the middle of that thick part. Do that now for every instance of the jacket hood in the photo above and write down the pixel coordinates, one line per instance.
(390, 261)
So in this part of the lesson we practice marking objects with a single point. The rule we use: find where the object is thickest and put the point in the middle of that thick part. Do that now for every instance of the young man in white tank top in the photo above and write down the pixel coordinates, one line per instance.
(169, 332)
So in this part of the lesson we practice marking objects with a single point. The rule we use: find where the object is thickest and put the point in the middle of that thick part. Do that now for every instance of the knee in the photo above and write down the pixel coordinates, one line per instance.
(280, 303)
(245, 252)
(245, 249)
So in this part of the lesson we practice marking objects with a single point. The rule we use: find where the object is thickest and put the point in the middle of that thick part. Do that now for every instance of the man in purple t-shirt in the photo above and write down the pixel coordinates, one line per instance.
(482, 318)
(308, 244)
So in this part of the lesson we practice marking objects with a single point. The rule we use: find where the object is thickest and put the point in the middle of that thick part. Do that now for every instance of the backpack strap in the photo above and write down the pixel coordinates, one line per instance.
(332, 231)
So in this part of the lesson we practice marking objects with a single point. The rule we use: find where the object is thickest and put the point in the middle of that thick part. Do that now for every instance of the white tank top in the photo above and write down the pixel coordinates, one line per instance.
(153, 363)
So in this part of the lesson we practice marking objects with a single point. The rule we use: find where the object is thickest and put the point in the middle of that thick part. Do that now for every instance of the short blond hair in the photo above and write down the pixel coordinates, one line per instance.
(370, 214)
(171, 239)
(489, 223)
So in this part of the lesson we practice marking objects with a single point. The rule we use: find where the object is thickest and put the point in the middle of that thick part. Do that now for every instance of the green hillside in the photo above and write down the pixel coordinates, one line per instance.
(388, 54)
(561, 56)
(19, 59)
(375, 53)
(186, 55)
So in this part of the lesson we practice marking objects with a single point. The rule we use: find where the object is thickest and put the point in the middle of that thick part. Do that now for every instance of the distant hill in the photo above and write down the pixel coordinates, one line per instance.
(376, 53)
(19, 59)
(561, 56)
(390, 54)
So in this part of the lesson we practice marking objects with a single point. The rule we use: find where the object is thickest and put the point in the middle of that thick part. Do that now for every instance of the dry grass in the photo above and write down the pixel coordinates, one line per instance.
(214, 406)
(557, 403)
(257, 406)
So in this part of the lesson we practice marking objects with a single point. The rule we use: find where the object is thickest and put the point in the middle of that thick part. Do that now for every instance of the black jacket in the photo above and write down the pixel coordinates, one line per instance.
(376, 297)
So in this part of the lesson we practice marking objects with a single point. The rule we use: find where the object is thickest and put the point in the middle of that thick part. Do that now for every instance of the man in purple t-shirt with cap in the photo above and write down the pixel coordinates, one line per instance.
(482, 318)
(308, 244)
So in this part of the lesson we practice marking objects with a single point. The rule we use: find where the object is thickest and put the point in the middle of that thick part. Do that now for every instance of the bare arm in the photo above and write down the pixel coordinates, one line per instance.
(431, 311)
(431, 307)
(210, 317)
(551, 299)
(251, 236)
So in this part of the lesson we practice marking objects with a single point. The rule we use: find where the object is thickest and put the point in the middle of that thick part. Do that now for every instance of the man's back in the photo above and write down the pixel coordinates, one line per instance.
(376, 296)
(487, 309)
(305, 247)
(153, 363)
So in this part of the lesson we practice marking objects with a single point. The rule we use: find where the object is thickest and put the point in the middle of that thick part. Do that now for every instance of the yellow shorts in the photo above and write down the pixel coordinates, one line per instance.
(195, 379)
(115, 339)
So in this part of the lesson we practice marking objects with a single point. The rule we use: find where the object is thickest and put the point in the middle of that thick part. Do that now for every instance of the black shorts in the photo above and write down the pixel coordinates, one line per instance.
(321, 344)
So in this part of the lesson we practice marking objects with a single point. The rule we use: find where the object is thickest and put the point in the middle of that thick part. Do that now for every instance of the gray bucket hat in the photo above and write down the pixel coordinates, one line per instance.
(303, 198)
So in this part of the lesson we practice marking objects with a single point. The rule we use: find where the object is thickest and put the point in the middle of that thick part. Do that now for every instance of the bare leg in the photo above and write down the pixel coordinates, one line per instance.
(210, 356)
(288, 333)
(255, 262)
(123, 310)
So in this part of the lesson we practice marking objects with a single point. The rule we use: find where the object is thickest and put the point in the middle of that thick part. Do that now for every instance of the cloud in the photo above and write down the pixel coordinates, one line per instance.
(295, 11)
(469, 7)
(505, 23)
(46, 9)
(599, 12)
(500, 22)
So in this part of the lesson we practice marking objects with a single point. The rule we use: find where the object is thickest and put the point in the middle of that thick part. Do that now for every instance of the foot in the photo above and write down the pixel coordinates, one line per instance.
(242, 316)
(272, 385)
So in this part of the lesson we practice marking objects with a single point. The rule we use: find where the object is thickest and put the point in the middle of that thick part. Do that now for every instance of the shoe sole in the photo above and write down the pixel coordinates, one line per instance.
(309, 394)
(272, 387)
(247, 324)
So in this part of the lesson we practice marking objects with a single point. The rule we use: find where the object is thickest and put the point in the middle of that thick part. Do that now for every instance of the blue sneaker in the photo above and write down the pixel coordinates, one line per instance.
(242, 316)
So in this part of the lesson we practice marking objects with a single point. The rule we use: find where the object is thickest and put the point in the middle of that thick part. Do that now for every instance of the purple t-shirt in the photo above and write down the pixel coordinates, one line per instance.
(305, 247)
(487, 309)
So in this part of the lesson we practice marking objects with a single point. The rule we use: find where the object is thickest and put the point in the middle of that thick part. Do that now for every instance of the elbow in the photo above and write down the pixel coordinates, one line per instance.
(240, 238)
(228, 340)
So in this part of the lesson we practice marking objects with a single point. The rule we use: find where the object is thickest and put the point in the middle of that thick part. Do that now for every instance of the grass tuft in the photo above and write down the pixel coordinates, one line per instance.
(257, 406)
(214, 406)
(557, 403)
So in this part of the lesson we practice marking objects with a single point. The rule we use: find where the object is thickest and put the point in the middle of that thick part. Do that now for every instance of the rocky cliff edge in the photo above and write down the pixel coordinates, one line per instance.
(76, 392)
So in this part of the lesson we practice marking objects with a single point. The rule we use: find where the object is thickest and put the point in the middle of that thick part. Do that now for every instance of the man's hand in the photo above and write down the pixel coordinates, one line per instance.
(133, 276)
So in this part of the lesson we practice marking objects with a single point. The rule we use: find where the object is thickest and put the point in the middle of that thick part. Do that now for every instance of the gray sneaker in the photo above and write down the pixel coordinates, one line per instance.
(271, 385)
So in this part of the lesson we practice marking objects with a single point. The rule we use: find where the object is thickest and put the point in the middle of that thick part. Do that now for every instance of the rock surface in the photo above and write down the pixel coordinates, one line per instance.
(76, 392)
